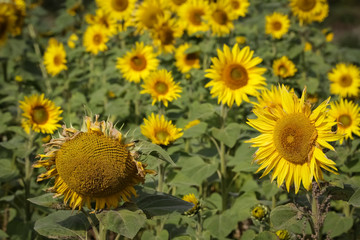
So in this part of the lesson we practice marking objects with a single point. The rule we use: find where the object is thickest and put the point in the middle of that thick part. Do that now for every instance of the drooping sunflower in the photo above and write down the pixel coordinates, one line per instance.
(345, 80)
(186, 61)
(306, 10)
(234, 75)
(221, 18)
(138, 63)
(192, 199)
(277, 24)
(55, 57)
(147, 14)
(104, 19)
(7, 21)
(118, 9)
(240, 7)
(92, 165)
(161, 86)
(95, 39)
(347, 115)
(40, 114)
(291, 140)
(284, 67)
(192, 16)
(159, 130)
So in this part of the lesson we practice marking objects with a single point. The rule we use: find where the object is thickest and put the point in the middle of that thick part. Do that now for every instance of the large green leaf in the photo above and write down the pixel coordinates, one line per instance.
(47, 200)
(200, 111)
(335, 224)
(284, 216)
(220, 225)
(8, 170)
(355, 198)
(147, 148)
(195, 131)
(229, 135)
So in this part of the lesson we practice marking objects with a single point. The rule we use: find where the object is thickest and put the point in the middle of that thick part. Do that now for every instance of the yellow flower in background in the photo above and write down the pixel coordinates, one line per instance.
(221, 18)
(345, 80)
(19, 78)
(175, 5)
(192, 124)
(240, 39)
(284, 67)
(95, 39)
(186, 61)
(270, 98)
(92, 165)
(307, 47)
(159, 130)
(117, 9)
(192, 16)
(40, 114)
(137, 63)
(234, 75)
(72, 40)
(347, 115)
(240, 7)
(161, 86)
(55, 57)
(147, 14)
(104, 19)
(259, 212)
(192, 199)
(306, 10)
(277, 24)
(7, 21)
(283, 234)
(291, 141)
(322, 13)
(329, 36)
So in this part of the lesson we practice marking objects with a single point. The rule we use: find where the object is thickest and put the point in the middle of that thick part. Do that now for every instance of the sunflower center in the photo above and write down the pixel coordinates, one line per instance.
(119, 5)
(97, 39)
(235, 4)
(235, 76)
(94, 165)
(161, 88)
(282, 70)
(345, 120)
(40, 115)
(276, 25)
(220, 17)
(138, 63)
(306, 5)
(294, 137)
(195, 17)
(161, 135)
(178, 2)
(191, 59)
(166, 36)
(57, 60)
(346, 80)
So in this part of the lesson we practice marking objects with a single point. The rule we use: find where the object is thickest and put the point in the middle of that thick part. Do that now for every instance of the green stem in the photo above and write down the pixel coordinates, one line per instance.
(93, 225)
(223, 162)
(161, 178)
(91, 66)
(102, 232)
(316, 214)
(28, 174)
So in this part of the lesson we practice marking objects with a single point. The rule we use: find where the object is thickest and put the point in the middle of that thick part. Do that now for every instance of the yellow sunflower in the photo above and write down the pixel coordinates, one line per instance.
(306, 10)
(7, 21)
(147, 14)
(118, 9)
(92, 165)
(192, 199)
(95, 39)
(270, 98)
(186, 61)
(192, 16)
(72, 40)
(105, 20)
(347, 115)
(137, 63)
(277, 24)
(307, 47)
(322, 13)
(240, 40)
(19, 8)
(284, 67)
(175, 5)
(159, 130)
(161, 86)
(345, 80)
(291, 140)
(234, 75)
(329, 36)
(221, 18)
(240, 7)
(55, 57)
(40, 114)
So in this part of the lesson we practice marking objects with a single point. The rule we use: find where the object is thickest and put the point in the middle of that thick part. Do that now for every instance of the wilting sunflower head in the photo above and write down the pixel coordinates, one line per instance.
(159, 130)
(55, 57)
(40, 114)
(92, 165)
(192, 199)
(95, 39)
(347, 115)
(284, 67)
(277, 24)
(292, 138)
(345, 80)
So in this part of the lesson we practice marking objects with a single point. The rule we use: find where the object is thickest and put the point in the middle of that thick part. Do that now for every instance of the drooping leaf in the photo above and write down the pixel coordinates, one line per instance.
(147, 148)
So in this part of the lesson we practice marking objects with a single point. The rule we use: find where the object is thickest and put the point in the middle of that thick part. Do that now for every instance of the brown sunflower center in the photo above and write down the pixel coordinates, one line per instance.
(119, 5)
(345, 80)
(94, 165)
(97, 39)
(235, 4)
(282, 70)
(161, 88)
(57, 60)
(345, 120)
(235, 76)
(191, 58)
(166, 35)
(40, 115)
(276, 25)
(178, 2)
(161, 135)
(306, 5)
(220, 17)
(195, 16)
(138, 63)
(294, 137)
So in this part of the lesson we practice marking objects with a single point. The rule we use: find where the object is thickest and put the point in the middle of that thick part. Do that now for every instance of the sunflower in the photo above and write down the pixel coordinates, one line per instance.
(221, 18)
(138, 63)
(240, 40)
(186, 61)
(270, 98)
(147, 14)
(234, 75)
(72, 40)
(277, 24)
(95, 39)
(240, 7)
(92, 165)
(192, 199)
(192, 124)
(306, 10)
(159, 130)
(55, 57)
(345, 80)
(307, 47)
(347, 115)
(7, 21)
(161, 86)
(291, 140)
(105, 20)
(175, 5)
(117, 9)
(192, 16)
(40, 114)
(284, 67)
(322, 13)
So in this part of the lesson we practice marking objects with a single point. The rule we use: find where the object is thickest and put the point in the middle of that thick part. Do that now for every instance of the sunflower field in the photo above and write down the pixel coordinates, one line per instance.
(179, 119)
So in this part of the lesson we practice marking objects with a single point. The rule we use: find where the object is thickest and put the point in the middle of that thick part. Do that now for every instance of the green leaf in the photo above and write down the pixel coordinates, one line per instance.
(266, 235)
(195, 131)
(123, 221)
(242, 205)
(47, 200)
(148, 147)
(200, 110)
(355, 198)
(248, 235)
(229, 135)
(221, 225)
(242, 161)
(282, 217)
(192, 49)
(338, 193)
(335, 225)
(3, 234)
(63, 224)
(4, 119)
(8, 170)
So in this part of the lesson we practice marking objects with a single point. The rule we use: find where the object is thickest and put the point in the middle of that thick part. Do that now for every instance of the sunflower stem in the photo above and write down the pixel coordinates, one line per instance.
(28, 174)
(161, 178)
(102, 231)
(93, 225)
(223, 162)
